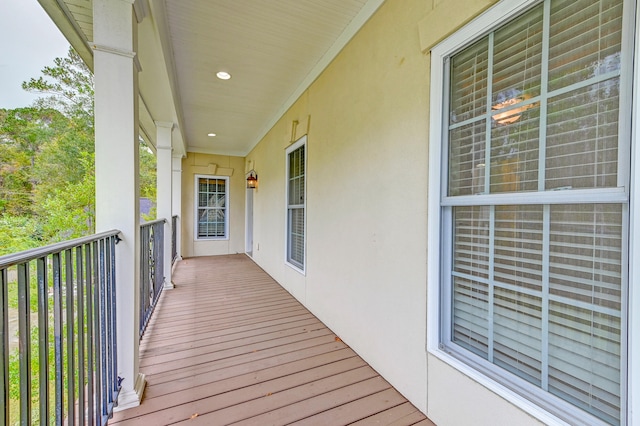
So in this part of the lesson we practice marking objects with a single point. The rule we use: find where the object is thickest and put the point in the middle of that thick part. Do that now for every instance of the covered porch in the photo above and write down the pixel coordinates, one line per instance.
(317, 144)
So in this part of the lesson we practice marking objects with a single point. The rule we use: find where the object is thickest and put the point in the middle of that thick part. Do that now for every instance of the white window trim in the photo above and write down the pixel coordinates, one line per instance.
(498, 14)
(195, 207)
(297, 144)
(633, 385)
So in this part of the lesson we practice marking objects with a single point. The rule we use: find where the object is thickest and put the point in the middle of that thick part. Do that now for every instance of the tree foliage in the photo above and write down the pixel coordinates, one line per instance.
(147, 172)
(23, 131)
(17, 233)
(15, 187)
(67, 86)
(68, 211)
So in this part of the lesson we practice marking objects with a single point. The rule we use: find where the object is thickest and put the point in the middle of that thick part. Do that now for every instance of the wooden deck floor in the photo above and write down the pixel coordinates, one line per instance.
(228, 345)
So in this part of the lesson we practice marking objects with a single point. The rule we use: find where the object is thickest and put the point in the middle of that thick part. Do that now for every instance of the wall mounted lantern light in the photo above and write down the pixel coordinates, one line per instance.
(252, 179)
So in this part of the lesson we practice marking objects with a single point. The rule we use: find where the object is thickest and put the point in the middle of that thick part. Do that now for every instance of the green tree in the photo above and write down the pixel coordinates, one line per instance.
(27, 128)
(15, 186)
(17, 233)
(64, 167)
(68, 211)
(147, 172)
(67, 86)
(59, 158)
(23, 131)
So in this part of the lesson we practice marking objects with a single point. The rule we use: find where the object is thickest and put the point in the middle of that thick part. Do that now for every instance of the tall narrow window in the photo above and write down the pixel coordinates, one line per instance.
(212, 201)
(535, 206)
(296, 202)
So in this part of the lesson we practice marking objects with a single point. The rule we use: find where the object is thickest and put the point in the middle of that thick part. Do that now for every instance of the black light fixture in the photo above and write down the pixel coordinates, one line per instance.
(252, 179)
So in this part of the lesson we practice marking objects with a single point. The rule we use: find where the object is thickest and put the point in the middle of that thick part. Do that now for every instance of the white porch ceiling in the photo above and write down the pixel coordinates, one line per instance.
(272, 48)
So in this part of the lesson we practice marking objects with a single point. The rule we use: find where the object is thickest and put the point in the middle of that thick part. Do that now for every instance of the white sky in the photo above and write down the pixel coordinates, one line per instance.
(29, 41)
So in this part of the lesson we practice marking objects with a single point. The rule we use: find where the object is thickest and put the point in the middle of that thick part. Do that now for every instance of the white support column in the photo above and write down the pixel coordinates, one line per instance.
(117, 195)
(176, 171)
(164, 190)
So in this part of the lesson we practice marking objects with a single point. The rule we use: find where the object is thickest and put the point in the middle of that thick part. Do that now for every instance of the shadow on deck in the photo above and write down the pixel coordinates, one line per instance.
(228, 345)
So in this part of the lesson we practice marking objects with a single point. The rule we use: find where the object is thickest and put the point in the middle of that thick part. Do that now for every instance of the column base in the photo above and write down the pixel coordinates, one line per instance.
(132, 397)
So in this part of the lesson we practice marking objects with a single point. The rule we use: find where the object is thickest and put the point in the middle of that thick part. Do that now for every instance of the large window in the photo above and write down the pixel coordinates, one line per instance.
(534, 204)
(296, 202)
(212, 201)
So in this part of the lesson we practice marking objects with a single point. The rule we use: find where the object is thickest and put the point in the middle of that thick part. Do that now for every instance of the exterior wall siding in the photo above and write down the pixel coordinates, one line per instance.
(366, 118)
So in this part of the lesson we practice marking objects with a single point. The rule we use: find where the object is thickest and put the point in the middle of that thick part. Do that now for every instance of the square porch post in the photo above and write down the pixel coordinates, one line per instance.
(164, 190)
(117, 194)
(176, 202)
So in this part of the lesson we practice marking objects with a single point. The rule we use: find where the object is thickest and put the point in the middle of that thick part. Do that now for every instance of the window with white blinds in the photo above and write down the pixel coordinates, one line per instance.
(536, 207)
(296, 203)
(212, 201)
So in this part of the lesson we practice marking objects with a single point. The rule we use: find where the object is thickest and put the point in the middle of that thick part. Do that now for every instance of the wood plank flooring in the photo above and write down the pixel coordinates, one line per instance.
(228, 346)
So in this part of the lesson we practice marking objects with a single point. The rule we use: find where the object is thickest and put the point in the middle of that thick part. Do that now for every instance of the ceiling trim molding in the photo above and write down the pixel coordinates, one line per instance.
(354, 26)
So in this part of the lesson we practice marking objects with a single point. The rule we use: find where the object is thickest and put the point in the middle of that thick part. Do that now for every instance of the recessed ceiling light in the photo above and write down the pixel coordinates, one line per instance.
(223, 75)
(211, 134)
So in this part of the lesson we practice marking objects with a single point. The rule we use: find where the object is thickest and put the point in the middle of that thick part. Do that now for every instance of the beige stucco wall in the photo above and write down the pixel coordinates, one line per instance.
(366, 118)
(213, 165)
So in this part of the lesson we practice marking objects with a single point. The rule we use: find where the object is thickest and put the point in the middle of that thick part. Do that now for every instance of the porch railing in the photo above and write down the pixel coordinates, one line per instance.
(174, 239)
(151, 268)
(62, 370)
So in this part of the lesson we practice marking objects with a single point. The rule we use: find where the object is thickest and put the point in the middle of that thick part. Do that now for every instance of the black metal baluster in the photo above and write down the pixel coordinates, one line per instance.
(43, 338)
(4, 344)
(107, 323)
(58, 343)
(71, 372)
(24, 341)
(103, 338)
(80, 315)
(112, 320)
(97, 309)
(90, 315)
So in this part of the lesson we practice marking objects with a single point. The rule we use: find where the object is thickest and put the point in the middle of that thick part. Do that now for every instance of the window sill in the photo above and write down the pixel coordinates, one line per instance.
(296, 268)
(528, 407)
